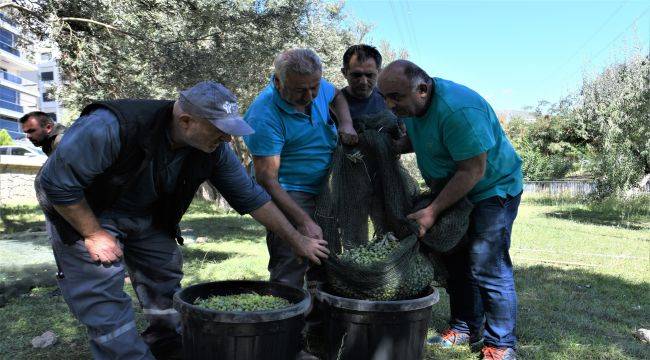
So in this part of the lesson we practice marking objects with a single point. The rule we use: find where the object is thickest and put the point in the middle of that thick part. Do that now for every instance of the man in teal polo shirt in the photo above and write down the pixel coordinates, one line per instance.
(462, 150)
(292, 148)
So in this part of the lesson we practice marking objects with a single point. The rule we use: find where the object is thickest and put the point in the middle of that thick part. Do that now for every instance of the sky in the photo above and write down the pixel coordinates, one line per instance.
(514, 53)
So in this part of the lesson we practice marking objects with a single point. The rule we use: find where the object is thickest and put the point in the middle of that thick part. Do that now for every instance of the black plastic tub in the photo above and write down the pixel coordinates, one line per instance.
(272, 335)
(376, 330)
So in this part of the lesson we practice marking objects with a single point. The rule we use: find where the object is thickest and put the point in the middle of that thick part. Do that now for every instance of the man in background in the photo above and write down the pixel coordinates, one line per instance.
(361, 65)
(41, 130)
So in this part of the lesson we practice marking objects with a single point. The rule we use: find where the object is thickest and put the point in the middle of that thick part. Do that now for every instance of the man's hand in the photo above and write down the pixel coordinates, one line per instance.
(425, 219)
(312, 249)
(310, 229)
(103, 247)
(348, 134)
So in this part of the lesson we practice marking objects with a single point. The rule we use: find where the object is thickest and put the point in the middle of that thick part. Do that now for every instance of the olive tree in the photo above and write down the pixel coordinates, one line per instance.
(613, 114)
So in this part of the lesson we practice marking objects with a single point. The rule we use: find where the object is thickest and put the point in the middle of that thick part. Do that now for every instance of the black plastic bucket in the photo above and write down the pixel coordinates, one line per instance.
(273, 335)
(376, 330)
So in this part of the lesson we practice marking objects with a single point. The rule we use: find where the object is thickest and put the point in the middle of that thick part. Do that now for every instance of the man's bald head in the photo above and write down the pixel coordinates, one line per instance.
(406, 88)
(406, 70)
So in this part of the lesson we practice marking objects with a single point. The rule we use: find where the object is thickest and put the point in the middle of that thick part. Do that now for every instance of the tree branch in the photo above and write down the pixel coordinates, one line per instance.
(22, 9)
(108, 26)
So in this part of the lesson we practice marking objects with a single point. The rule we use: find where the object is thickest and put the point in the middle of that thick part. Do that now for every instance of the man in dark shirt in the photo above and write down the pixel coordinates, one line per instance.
(361, 65)
(195, 127)
(41, 130)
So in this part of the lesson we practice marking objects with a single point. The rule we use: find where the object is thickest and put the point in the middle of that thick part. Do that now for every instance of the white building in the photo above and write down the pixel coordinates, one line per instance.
(18, 79)
(26, 75)
(49, 80)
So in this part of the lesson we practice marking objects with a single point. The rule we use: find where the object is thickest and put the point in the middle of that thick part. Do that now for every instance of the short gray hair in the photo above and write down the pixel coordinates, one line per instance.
(297, 61)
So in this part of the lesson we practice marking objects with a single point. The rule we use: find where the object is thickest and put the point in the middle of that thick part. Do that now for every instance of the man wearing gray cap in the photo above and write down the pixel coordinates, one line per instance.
(115, 191)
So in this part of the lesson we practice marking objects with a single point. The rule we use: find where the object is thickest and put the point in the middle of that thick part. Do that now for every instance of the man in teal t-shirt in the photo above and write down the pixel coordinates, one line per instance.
(462, 150)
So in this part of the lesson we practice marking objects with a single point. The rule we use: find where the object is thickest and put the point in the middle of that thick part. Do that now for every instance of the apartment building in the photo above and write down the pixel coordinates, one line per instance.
(48, 76)
(28, 78)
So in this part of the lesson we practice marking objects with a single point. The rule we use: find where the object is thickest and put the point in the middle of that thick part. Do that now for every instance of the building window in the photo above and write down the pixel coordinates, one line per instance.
(48, 96)
(7, 42)
(10, 95)
(11, 77)
(46, 56)
(47, 76)
(53, 116)
(9, 99)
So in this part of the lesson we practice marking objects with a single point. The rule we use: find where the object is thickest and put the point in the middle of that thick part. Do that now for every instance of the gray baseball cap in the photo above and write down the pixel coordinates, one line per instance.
(214, 102)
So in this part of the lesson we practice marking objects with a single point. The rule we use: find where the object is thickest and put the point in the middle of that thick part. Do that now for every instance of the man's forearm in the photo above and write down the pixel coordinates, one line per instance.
(458, 186)
(342, 110)
(284, 201)
(80, 216)
(274, 220)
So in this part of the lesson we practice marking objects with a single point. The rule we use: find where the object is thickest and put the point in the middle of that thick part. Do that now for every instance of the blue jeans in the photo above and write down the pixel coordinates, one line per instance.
(481, 284)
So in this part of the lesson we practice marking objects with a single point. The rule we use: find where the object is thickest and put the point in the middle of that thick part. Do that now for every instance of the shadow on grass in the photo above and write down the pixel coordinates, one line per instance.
(226, 228)
(195, 254)
(570, 314)
(629, 213)
(588, 216)
(12, 239)
(22, 218)
(563, 309)
(18, 280)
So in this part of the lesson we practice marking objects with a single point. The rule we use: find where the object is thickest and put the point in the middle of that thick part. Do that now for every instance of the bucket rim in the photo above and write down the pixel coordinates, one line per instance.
(378, 306)
(299, 308)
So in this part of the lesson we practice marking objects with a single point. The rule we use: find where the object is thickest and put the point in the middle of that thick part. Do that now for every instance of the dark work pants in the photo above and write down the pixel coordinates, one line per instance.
(284, 265)
(481, 284)
(95, 293)
(287, 268)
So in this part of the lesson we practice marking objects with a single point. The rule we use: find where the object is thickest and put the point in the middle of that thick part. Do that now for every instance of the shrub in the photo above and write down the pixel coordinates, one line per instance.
(538, 166)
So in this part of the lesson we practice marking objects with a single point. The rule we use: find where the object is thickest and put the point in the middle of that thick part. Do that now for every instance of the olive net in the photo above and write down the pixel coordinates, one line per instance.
(380, 259)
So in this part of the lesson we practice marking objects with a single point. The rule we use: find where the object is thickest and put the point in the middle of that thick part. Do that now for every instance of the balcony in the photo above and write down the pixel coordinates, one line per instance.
(19, 84)
(9, 49)
(15, 78)
(4, 104)
(6, 19)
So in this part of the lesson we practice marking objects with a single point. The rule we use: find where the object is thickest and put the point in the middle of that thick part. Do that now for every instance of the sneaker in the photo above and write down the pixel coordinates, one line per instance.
(489, 352)
(449, 338)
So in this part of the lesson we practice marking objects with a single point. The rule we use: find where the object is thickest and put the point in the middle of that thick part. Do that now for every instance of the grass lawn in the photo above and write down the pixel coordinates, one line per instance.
(582, 272)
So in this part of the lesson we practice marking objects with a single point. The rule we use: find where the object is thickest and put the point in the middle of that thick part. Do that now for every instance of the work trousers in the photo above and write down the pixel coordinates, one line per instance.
(284, 266)
(95, 293)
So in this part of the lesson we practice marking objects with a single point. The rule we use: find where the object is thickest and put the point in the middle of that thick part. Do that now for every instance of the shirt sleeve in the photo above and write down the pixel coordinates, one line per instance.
(328, 90)
(268, 139)
(88, 148)
(467, 133)
(232, 182)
